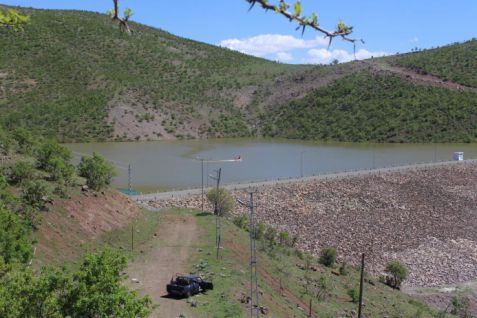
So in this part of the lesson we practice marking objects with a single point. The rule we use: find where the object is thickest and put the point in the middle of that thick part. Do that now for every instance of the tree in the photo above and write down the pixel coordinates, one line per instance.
(97, 290)
(97, 171)
(223, 199)
(12, 19)
(51, 149)
(15, 246)
(397, 273)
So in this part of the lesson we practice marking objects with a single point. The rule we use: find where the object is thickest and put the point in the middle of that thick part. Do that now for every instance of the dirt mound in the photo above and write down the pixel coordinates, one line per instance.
(76, 221)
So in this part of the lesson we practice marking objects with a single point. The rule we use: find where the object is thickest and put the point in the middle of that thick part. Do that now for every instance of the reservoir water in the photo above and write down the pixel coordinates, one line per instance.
(167, 165)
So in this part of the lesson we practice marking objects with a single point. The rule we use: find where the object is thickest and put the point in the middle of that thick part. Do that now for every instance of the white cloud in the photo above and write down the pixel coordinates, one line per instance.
(284, 57)
(414, 40)
(264, 44)
(324, 56)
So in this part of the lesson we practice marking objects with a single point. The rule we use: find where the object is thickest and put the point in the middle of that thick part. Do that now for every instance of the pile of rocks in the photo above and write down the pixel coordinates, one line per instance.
(410, 215)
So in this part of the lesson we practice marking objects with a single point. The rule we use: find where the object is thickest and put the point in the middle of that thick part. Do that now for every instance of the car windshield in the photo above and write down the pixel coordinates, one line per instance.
(182, 281)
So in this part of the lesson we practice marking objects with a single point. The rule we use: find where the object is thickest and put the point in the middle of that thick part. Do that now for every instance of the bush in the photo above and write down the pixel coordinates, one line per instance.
(284, 238)
(60, 170)
(241, 221)
(97, 171)
(344, 269)
(3, 182)
(35, 192)
(50, 150)
(25, 140)
(223, 199)
(21, 171)
(328, 256)
(397, 273)
(354, 294)
(260, 230)
(5, 142)
(15, 245)
(271, 235)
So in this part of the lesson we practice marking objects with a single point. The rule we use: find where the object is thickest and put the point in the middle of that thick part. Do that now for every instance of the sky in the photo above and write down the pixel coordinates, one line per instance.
(387, 26)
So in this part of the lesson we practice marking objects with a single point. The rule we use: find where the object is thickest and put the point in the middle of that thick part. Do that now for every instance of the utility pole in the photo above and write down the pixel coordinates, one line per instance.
(361, 285)
(301, 162)
(254, 303)
(132, 236)
(216, 211)
(202, 177)
(129, 179)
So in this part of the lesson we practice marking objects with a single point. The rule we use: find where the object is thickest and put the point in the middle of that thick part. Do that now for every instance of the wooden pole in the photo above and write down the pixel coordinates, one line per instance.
(311, 303)
(361, 283)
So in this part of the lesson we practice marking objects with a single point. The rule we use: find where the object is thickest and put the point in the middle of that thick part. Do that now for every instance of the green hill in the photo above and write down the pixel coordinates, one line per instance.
(72, 75)
(456, 63)
(378, 107)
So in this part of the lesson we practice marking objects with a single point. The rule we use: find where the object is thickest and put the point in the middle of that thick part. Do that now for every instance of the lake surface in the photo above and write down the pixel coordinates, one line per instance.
(166, 165)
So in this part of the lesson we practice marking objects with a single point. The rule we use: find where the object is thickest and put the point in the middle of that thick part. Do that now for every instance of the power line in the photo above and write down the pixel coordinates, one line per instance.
(254, 301)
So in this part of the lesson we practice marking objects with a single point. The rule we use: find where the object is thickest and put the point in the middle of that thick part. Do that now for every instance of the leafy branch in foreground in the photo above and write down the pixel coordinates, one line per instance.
(342, 30)
(12, 19)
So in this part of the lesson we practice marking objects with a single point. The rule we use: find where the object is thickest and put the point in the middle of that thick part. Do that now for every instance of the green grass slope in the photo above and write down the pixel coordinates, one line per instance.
(284, 266)
(378, 107)
(456, 63)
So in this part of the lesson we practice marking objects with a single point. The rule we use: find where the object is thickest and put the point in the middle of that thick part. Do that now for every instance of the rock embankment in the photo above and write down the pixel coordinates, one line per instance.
(425, 217)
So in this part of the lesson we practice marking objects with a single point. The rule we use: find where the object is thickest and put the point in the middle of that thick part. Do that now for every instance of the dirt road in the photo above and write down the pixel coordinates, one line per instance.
(165, 256)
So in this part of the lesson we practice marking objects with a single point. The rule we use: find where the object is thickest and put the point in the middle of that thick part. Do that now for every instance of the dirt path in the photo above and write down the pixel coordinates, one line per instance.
(165, 256)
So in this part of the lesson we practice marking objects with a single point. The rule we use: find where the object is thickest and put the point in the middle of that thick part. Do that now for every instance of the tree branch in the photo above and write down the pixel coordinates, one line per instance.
(123, 22)
(342, 30)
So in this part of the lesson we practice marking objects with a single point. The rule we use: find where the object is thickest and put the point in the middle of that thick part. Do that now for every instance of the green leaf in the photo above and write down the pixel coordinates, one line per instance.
(297, 8)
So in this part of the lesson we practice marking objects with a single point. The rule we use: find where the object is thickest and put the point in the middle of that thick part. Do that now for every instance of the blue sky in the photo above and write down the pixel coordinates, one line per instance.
(387, 26)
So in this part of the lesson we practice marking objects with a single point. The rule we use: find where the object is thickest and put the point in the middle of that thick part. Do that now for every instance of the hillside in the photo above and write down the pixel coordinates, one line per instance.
(73, 76)
(456, 63)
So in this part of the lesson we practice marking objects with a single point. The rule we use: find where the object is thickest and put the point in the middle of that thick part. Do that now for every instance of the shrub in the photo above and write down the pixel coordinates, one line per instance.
(5, 142)
(397, 273)
(97, 171)
(3, 182)
(284, 238)
(60, 170)
(21, 171)
(241, 221)
(50, 150)
(354, 294)
(35, 192)
(260, 230)
(25, 140)
(344, 269)
(460, 306)
(271, 235)
(223, 199)
(14, 242)
(328, 256)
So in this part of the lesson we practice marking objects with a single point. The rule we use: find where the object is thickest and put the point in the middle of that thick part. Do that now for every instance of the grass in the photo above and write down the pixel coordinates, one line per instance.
(231, 278)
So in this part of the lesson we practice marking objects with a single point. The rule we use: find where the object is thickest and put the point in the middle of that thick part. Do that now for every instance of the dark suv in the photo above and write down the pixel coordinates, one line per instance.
(187, 285)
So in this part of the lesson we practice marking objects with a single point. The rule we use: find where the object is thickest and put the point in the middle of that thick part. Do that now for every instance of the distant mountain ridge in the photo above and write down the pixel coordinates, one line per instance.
(73, 76)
